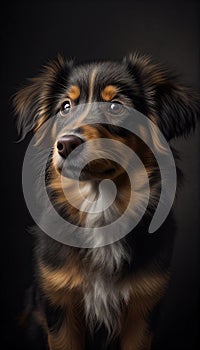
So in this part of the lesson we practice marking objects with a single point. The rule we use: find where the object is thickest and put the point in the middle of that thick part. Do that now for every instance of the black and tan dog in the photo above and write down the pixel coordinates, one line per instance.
(117, 287)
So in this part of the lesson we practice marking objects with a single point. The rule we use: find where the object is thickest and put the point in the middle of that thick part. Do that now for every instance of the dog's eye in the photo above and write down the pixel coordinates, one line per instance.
(65, 107)
(115, 107)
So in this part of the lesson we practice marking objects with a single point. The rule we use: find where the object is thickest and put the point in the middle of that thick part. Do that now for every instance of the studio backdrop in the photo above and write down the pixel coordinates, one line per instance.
(34, 32)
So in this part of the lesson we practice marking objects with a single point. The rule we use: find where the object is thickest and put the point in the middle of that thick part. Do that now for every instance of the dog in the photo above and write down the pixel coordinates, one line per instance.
(116, 288)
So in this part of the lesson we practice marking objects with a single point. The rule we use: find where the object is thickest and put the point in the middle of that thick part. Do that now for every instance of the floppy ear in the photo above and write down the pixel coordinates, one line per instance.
(175, 107)
(36, 102)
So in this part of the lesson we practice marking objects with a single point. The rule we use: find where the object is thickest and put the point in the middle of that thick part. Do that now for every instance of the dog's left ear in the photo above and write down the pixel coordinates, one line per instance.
(175, 107)
(36, 101)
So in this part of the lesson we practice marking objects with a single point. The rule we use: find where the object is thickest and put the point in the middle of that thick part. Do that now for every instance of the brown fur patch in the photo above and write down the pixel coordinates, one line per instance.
(60, 278)
(56, 282)
(109, 92)
(74, 92)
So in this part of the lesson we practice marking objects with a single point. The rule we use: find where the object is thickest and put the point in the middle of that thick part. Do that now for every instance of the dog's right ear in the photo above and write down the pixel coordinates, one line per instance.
(36, 101)
(174, 107)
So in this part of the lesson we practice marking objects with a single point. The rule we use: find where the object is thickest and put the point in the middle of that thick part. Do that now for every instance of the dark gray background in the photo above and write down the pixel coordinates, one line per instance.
(33, 32)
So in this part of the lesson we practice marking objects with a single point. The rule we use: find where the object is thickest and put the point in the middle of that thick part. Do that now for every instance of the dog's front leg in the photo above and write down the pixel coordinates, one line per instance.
(64, 312)
(135, 334)
(64, 327)
(146, 293)
(67, 337)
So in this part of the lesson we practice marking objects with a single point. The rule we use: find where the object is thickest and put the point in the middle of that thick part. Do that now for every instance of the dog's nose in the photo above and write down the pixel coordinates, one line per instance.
(67, 144)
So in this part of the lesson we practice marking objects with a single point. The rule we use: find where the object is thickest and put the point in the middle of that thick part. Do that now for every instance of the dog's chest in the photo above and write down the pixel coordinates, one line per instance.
(103, 302)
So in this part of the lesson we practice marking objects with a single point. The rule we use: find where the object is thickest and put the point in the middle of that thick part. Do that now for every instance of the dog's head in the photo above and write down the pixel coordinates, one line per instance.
(135, 82)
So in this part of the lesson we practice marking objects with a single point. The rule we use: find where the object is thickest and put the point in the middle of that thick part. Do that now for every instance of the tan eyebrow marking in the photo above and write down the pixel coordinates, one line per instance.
(74, 92)
(109, 92)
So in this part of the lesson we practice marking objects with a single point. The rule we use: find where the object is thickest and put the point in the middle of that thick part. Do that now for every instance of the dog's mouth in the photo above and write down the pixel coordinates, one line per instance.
(98, 169)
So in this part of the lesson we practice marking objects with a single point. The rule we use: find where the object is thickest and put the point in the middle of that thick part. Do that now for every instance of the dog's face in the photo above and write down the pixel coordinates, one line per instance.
(112, 87)
(133, 83)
